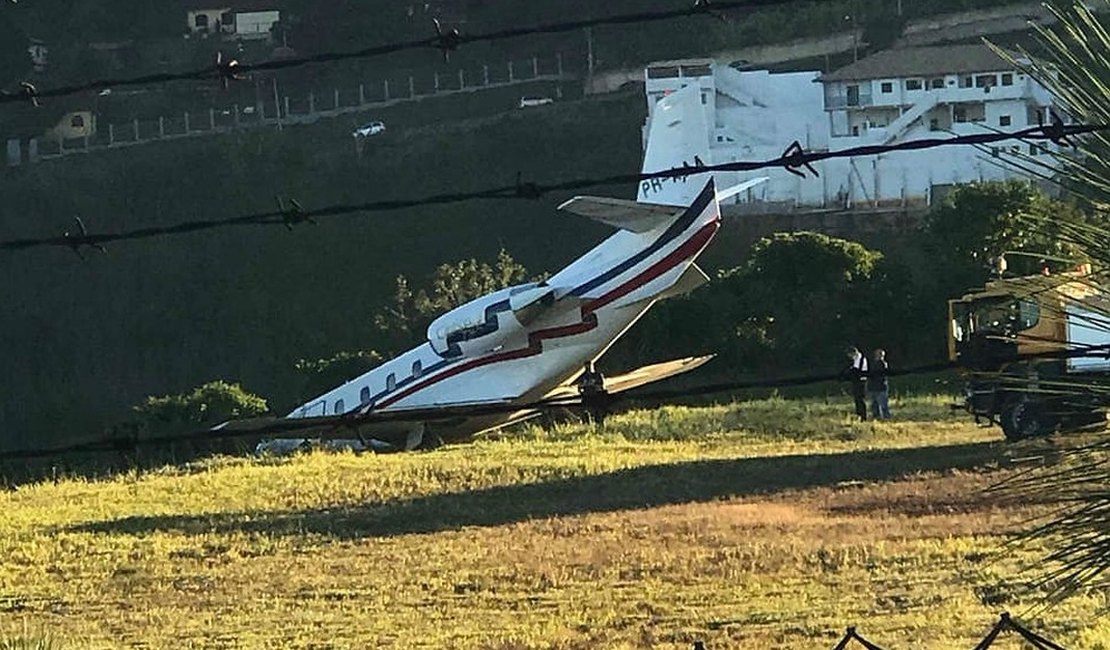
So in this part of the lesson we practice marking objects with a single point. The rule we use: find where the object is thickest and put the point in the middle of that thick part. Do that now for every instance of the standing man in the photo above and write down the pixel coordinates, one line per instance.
(856, 374)
(591, 386)
(878, 388)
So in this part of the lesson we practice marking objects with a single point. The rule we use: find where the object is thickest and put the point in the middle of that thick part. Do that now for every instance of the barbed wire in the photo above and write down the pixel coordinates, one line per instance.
(351, 421)
(793, 159)
(446, 41)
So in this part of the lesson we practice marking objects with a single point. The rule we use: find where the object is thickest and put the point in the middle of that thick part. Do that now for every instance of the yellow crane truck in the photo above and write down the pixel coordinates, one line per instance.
(1035, 351)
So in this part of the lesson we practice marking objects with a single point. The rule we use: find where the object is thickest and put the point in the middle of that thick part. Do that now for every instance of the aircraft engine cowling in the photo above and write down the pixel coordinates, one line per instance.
(477, 326)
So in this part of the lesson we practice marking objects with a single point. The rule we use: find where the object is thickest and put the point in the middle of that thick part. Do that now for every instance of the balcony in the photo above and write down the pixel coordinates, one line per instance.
(850, 100)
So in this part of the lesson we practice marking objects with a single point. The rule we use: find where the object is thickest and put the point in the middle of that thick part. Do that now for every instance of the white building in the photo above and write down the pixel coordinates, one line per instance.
(242, 19)
(890, 97)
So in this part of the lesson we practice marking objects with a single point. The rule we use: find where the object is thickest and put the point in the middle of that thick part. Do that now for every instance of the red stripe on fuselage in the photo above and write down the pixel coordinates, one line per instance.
(589, 318)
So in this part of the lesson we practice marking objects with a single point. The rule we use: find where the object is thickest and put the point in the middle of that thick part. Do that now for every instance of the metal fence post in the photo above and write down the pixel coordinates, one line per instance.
(462, 80)
(485, 75)
(212, 119)
(161, 127)
(111, 135)
(186, 122)
(412, 88)
(337, 99)
(535, 66)
(436, 82)
(311, 103)
(361, 95)
(135, 124)
(510, 71)
(559, 62)
(385, 89)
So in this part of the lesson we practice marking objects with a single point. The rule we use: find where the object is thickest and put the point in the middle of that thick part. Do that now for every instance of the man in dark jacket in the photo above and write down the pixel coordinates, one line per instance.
(878, 388)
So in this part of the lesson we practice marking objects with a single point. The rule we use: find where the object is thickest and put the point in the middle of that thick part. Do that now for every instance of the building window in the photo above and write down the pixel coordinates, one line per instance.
(338, 407)
(853, 95)
(913, 84)
(887, 87)
(936, 83)
(364, 396)
(934, 124)
(417, 368)
(995, 151)
(1003, 120)
(77, 122)
(855, 130)
(985, 81)
(201, 21)
(704, 100)
(391, 382)
(1007, 79)
(965, 82)
(227, 19)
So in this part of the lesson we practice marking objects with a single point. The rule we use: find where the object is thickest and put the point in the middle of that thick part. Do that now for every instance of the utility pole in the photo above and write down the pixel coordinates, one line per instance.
(589, 57)
(277, 105)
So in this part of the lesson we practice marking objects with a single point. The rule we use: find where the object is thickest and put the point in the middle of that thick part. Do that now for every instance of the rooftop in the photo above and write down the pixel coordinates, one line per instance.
(922, 62)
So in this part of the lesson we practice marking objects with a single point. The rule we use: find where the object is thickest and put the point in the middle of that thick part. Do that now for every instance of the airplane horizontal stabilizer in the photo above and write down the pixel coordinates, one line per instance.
(691, 279)
(627, 215)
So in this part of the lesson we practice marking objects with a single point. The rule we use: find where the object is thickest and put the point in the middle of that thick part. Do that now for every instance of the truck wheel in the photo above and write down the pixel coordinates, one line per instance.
(1025, 418)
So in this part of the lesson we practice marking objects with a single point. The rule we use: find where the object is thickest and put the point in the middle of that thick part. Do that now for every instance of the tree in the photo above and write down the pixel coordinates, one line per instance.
(211, 403)
(15, 59)
(405, 322)
(979, 222)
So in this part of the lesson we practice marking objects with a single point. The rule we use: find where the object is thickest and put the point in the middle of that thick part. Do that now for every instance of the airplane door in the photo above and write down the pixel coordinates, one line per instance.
(316, 409)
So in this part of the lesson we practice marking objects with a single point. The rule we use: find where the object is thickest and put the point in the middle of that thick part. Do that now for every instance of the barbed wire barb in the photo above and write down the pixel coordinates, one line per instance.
(794, 158)
(77, 241)
(446, 41)
(294, 214)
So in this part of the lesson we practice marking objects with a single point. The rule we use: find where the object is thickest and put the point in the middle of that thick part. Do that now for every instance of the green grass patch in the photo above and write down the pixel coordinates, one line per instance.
(772, 523)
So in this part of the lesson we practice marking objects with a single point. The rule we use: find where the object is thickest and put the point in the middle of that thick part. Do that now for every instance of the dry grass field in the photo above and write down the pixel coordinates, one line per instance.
(763, 524)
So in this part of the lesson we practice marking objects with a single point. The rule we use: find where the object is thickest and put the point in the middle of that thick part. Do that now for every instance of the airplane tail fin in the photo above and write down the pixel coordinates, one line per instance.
(678, 135)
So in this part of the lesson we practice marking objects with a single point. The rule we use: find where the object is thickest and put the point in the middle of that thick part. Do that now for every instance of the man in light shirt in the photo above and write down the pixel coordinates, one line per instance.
(856, 374)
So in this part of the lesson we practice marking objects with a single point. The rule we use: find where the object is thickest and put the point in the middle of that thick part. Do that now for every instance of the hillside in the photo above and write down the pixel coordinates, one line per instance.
(88, 339)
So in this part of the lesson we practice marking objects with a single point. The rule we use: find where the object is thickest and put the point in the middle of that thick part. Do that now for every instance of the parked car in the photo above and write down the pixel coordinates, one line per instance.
(525, 102)
(368, 129)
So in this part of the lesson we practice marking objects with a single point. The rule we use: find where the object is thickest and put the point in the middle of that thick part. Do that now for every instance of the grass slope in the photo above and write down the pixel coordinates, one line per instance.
(770, 523)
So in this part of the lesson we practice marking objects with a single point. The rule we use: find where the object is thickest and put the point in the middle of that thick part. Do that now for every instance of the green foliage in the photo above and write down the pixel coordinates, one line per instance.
(213, 402)
(15, 60)
(981, 221)
(324, 374)
(404, 322)
(803, 297)
(883, 28)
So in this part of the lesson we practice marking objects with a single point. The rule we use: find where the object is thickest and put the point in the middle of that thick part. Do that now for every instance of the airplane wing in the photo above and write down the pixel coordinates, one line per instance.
(628, 215)
(638, 377)
(392, 430)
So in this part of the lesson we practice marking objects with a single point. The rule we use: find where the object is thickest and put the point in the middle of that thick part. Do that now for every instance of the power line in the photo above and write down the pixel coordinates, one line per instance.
(445, 41)
(353, 420)
(794, 159)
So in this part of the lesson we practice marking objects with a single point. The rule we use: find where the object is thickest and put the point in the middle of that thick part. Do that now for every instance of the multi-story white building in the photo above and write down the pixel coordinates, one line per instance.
(890, 97)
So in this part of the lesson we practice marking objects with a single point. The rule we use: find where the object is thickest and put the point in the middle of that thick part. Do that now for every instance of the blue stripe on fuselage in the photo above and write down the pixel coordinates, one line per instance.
(676, 229)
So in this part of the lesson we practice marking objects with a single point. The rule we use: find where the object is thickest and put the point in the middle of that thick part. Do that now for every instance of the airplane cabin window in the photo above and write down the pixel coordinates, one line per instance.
(391, 382)
(338, 407)
(417, 369)
(364, 395)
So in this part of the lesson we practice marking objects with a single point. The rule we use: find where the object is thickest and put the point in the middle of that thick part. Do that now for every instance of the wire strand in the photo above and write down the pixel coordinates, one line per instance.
(792, 159)
(448, 41)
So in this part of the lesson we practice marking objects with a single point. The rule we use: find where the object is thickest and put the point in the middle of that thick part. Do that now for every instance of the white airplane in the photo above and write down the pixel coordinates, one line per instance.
(531, 342)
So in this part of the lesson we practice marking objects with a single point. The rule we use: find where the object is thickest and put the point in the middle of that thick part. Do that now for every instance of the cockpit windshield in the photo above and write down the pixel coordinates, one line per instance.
(997, 316)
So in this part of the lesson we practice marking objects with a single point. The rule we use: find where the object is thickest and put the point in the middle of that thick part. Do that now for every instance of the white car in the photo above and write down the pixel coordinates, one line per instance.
(525, 102)
(368, 129)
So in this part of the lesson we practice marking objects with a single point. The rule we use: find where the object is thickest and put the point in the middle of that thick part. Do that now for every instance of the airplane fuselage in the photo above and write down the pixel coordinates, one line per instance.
(517, 344)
